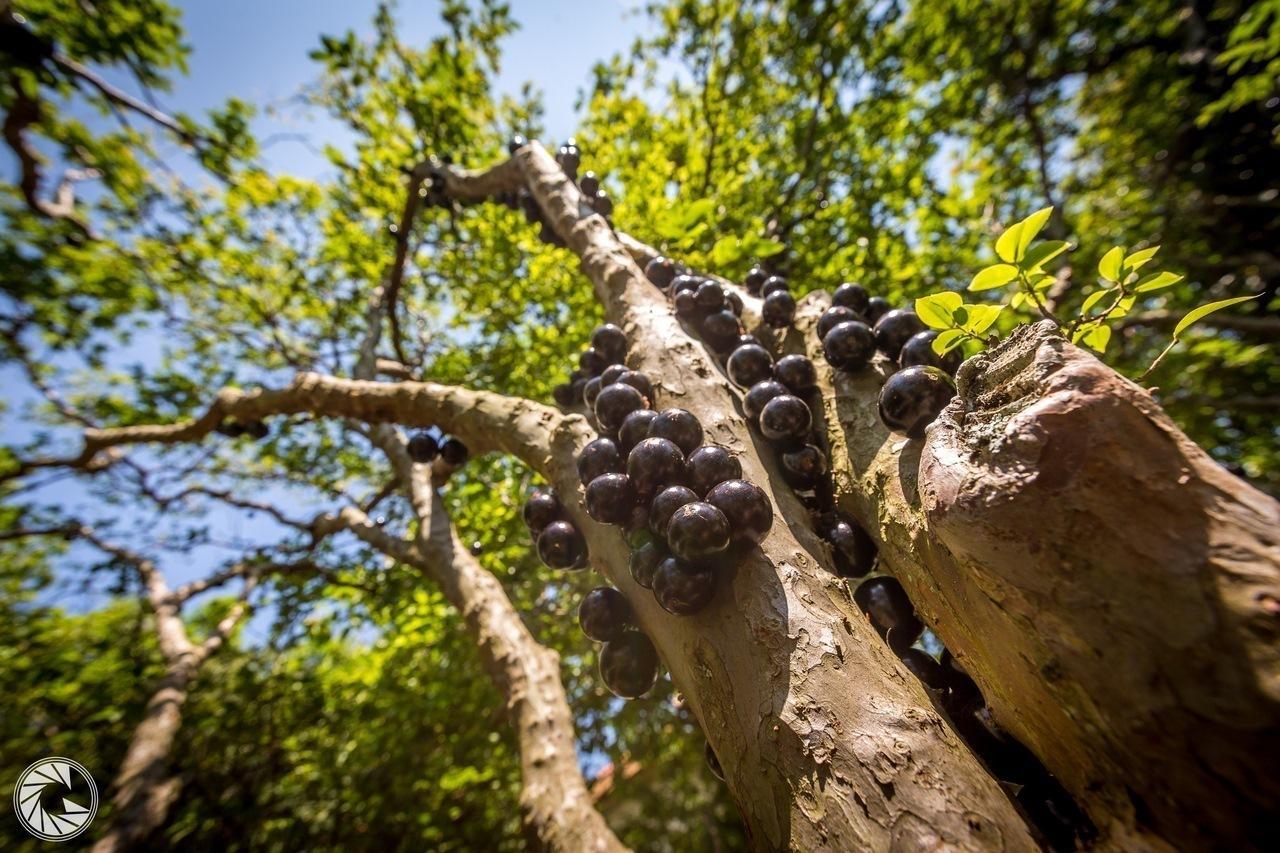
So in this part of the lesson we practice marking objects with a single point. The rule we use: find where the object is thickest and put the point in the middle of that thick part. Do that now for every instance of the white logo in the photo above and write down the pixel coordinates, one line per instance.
(41, 799)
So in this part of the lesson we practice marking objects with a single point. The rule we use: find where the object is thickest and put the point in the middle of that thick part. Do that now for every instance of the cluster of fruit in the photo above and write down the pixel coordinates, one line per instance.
(233, 428)
(604, 356)
(424, 448)
(856, 326)
(569, 157)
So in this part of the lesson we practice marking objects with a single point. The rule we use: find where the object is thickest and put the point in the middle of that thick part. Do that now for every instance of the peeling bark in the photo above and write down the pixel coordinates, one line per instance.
(1111, 589)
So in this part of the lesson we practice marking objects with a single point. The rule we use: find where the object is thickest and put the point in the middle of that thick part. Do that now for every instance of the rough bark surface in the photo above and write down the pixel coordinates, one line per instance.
(1110, 588)
(826, 741)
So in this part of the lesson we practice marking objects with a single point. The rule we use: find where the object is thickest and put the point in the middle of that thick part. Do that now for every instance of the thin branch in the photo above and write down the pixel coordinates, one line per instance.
(1266, 326)
(124, 99)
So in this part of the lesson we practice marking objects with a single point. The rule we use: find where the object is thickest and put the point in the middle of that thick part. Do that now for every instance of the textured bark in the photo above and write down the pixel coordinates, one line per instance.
(1112, 590)
(826, 741)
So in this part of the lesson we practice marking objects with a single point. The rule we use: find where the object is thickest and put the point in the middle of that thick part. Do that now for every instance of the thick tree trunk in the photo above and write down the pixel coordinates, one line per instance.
(1112, 590)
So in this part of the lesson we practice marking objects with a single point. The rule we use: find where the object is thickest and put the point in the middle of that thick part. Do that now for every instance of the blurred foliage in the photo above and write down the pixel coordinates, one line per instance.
(887, 143)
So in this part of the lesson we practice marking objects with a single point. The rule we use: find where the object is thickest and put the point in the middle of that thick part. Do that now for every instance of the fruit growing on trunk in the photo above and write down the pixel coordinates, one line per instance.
(918, 351)
(615, 402)
(600, 456)
(711, 465)
(758, 396)
(894, 329)
(610, 498)
(644, 562)
(664, 505)
(561, 546)
(610, 342)
(834, 316)
(851, 296)
(885, 603)
(785, 419)
(912, 398)
(634, 429)
(653, 464)
(542, 508)
(778, 309)
(679, 426)
(796, 372)
(849, 346)
(749, 364)
(696, 531)
(804, 467)
(854, 550)
(454, 452)
(629, 665)
(681, 588)
(604, 614)
(422, 448)
(746, 507)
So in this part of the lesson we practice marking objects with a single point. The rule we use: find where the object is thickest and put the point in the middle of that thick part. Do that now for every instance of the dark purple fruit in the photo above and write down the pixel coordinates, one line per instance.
(796, 372)
(709, 466)
(569, 159)
(682, 589)
(592, 362)
(542, 508)
(592, 390)
(851, 296)
(685, 304)
(610, 342)
(578, 388)
(709, 296)
(886, 604)
(660, 271)
(911, 399)
(638, 381)
(601, 203)
(747, 508)
(922, 665)
(755, 280)
(563, 394)
(760, 394)
(561, 546)
(665, 504)
(610, 498)
(604, 614)
(516, 142)
(653, 464)
(644, 562)
(834, 316)
(733, 302)
(749, 364)
(773, 284)
(713, 763)
(877, 307)
(854, 549)
(611, 374)
(257, 430)
(422, 448)
(804, 467)
(454, 452)
(230, 428)
(849, 346)
(747, 341)
(779, 309)
(679, 426)
(629, 665)
(615, 402)
(894, 329)
(634, 429)
(589, 183)
(918, 351)
(685, 283)
(785, 419)
(720, 329)
(697, 530)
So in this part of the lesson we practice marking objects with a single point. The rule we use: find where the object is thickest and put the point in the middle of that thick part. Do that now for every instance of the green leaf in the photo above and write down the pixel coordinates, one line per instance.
(936, 310)
(1156, 281)
(1197, 314)
(1135, 261)
(1030, 228)
(946, 341)
(1019, 299)
(981, 317)
(1109, 266)
(996, 275)
(726, 250)
(1093, 299)
(1041, 253)
(1007, 243)
(1097, 337)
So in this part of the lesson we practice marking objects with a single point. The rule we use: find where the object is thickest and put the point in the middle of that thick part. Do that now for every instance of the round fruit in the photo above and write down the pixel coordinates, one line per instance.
(610, 498)
(877, 307)
(542, 508)
(733, 302)
(747, 508)
(679, 426)
(749, 364)
(685, 304)
(697, 530)
(709, 296)
(589, 183)
(644, 562)
(894, 329)
(785, 419)
(516, 142)
(601, 203)
(779, 309)
(604, 614)
(886, 604)
(664, 505)
(257, 429)
(834, 316)
(615, 402)
(849, 346)
(634, 429)
(924, 667)
(854, 550)
(578, 389)
(918, 351)
(660, 271)
(755, 280)
(592, 362)
(230, 428)
(759, 395)
(796, 372)
(653, 464)
(773, 284)
(682, 589)
(610, 342)
(629, 665)
(685, 282)
(569, 159)
(422, 448)
(713, 763)
(709, 466)
(804, 468)
(591, 390)
(638, 381)
(563, 394)
(747, 341)
(720, 329)
(851, 296)
(454, 452)
(611, 374)
(911, 399)
(561, 546)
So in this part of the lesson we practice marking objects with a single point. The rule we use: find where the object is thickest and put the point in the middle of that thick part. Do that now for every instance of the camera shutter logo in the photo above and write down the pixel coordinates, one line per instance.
(37, 802)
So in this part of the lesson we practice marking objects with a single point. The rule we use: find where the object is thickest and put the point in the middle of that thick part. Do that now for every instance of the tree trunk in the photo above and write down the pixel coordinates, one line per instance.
(1113, 591)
